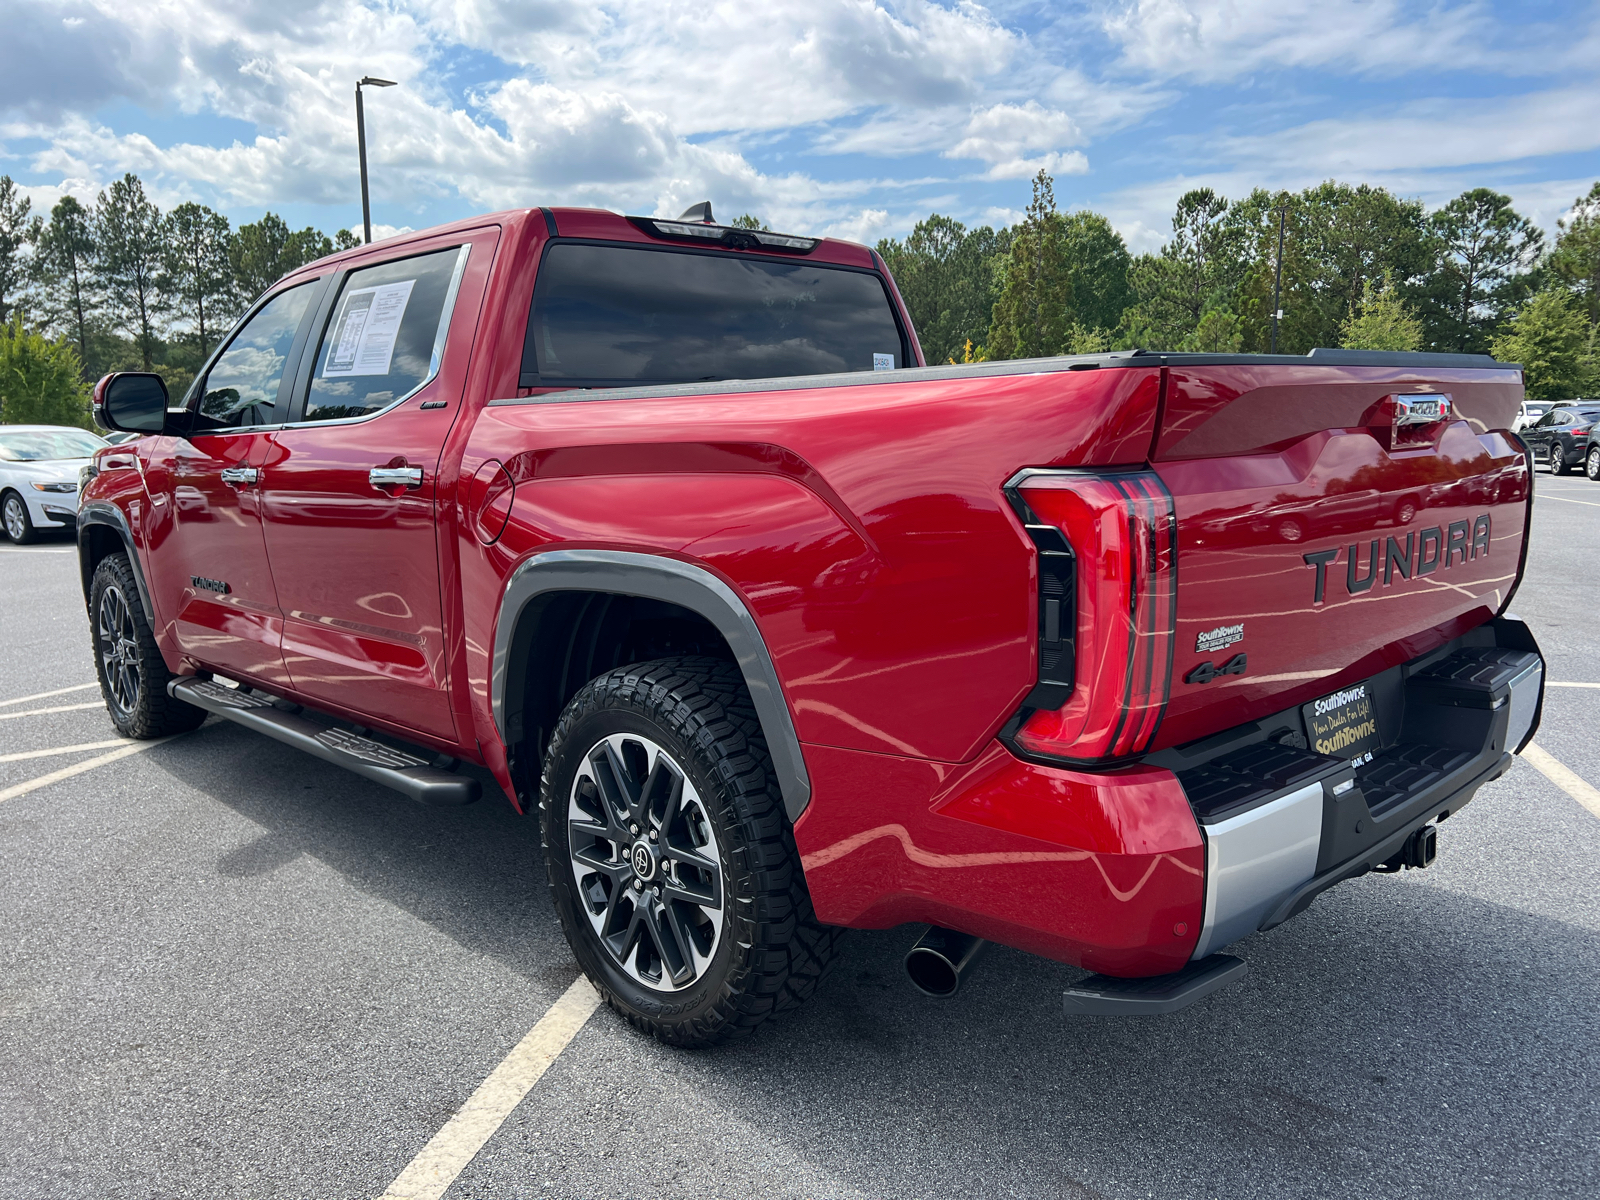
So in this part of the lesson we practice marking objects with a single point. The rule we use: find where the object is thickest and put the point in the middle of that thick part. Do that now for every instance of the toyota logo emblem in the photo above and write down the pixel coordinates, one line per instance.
(644, 863)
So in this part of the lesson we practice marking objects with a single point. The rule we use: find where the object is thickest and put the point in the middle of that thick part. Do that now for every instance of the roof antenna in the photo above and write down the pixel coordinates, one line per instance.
(699, 212)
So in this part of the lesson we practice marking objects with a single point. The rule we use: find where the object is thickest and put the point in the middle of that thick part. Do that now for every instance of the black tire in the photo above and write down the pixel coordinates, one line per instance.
(1591, 464)
(17, 520)
(133, 675)
(768, 952)
(1556, 460)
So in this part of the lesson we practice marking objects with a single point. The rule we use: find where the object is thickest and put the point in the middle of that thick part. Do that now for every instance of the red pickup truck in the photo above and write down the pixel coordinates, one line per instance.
(1116, 659)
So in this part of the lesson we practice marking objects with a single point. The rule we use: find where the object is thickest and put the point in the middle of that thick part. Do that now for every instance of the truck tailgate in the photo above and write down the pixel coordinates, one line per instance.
(1318, 541)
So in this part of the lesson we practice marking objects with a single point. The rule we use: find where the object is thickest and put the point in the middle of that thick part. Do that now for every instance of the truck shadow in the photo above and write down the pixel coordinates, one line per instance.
(1407, 1037)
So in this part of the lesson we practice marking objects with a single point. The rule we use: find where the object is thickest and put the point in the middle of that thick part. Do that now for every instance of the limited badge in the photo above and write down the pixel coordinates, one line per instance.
(1219, 638)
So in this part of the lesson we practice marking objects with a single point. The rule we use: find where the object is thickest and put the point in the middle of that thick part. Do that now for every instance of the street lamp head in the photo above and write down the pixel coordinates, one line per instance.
(373, 81)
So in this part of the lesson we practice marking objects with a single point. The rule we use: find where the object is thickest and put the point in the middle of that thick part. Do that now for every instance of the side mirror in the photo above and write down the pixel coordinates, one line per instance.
(131, 402)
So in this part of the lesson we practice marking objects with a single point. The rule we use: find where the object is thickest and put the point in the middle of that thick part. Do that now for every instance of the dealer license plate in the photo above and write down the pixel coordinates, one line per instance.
(1345, 724)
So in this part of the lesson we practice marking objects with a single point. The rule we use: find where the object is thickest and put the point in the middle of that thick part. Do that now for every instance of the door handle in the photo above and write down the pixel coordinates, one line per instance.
(387, 477)
(240, 476)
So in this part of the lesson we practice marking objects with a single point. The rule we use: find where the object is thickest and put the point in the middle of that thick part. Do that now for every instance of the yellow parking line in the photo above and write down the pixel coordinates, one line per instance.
(1568, 780)
(22, 789)
(77, 687)
(431, 1172)
(5, 758)
(39, 712)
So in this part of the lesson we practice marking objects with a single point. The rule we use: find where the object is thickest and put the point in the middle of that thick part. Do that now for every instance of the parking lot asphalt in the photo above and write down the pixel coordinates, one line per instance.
(228, 970)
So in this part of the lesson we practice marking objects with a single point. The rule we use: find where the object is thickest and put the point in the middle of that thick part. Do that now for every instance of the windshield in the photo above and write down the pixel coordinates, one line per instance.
(621, 315)
(45, 445)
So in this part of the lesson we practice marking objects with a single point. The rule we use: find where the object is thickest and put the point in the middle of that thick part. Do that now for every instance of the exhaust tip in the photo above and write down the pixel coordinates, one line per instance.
(936, 964)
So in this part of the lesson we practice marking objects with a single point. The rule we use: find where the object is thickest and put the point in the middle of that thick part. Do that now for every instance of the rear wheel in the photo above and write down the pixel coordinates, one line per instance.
(671, 862)
(133, 675)
(1556, 460)
(19, 524)
(1591, 464)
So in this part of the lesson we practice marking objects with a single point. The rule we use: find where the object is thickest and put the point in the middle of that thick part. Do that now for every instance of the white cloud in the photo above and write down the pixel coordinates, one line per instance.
(1020, 140)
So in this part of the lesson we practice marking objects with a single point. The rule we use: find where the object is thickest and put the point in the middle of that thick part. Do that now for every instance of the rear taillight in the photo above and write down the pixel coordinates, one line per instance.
(1108, 579)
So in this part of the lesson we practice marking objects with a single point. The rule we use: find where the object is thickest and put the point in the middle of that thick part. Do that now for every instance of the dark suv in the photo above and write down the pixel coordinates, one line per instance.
(1560, 440)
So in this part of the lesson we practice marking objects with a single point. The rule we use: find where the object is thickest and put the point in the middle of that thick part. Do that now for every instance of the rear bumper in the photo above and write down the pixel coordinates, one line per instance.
(1134, 872)
(1283, 824)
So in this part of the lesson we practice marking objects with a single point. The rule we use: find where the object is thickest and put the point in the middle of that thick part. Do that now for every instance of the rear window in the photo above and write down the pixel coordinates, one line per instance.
(617, 315)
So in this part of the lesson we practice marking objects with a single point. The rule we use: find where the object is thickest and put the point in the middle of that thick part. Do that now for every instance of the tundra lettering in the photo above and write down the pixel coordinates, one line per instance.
(1457, 543)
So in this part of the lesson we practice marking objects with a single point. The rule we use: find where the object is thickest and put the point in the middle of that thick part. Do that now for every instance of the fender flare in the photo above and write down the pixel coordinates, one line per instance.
(102, 513)
(651, 576)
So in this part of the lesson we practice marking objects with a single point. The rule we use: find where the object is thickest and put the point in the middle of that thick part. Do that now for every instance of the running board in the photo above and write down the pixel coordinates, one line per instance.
(416, 777)
(1105, 996)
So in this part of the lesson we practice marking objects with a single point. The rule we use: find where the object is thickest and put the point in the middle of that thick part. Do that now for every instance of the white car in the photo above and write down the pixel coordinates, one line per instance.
(39, 467)
(1530, 412)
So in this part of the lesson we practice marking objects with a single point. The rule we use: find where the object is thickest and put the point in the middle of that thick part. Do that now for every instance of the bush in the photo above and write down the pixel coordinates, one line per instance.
(40, 380)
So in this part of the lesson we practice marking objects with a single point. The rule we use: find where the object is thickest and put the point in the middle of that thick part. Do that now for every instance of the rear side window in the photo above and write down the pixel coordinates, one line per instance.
(386, 335)
(242, 386)
(617, 315)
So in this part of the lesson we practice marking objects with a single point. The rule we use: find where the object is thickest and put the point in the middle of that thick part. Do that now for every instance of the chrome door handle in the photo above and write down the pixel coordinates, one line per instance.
(240, 476)
(385, 477)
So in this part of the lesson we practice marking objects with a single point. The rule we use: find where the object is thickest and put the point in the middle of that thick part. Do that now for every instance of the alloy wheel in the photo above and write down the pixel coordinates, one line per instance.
(119, 649)
(16, 520)
(1592, 464)
(646, 861)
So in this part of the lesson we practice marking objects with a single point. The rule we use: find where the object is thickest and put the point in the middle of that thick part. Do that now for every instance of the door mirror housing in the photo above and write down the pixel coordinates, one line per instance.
(131, 402)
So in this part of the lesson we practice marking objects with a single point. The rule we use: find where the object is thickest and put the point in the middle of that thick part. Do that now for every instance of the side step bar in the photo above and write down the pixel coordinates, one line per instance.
(1105, 996)
(416, 777)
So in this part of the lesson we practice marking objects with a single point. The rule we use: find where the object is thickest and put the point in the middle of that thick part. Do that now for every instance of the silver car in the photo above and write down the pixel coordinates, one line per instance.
(39, 467)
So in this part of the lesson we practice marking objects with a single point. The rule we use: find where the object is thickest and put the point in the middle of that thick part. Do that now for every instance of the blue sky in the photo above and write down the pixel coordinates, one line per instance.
(850, 117)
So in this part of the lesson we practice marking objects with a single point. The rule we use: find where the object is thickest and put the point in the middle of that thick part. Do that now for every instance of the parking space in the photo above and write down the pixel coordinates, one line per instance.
(229, 970)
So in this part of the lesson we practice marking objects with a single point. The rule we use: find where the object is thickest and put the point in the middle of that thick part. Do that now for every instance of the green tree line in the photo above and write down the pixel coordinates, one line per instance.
(1361, 269)
(120, 285)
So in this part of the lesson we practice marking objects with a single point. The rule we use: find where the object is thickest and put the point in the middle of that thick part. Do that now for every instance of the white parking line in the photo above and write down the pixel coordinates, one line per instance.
(1570, 500)
(77, 687)
(1553, 683)
(39, 712)
(22, 789)
(432, 1171)
(5, 758)
(1563, 777)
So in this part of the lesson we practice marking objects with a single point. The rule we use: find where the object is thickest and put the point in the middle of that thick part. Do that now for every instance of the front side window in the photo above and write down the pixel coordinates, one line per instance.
(386, 335)
(623, 315)
(242, 386)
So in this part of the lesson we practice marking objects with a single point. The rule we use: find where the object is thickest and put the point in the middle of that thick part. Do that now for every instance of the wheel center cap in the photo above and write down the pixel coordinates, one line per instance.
(644, 861)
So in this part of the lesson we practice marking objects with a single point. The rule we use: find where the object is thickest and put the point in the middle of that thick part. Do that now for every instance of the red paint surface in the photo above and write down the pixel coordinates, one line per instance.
(866, 529)
(1091, 869)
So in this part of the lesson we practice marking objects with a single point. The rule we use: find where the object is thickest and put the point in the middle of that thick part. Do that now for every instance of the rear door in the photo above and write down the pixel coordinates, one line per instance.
(1319, 543)
(208, 562)
(350, 485)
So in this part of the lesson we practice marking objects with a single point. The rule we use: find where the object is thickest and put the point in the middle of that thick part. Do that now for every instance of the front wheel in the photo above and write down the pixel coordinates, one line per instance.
(18, 522)
(671, 862)
(1556, 461)
(1591, 464)
(133, 675)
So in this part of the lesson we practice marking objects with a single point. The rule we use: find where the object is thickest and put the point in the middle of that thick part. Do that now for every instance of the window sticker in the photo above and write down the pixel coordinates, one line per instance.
(369, 323)
(883, 362)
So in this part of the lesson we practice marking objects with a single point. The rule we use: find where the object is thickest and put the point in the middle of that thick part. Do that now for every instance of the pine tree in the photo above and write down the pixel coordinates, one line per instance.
(198, 268)
(946, 276)
(1576, 258)
(1033, 315)
(63, 264)
(1202, 261)
(14, 210)
(131, 259)
(1486, 252)
(264, 252)
(1380, 320)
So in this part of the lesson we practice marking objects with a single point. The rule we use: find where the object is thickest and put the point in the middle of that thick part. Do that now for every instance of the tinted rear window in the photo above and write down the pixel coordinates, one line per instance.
(609, 315)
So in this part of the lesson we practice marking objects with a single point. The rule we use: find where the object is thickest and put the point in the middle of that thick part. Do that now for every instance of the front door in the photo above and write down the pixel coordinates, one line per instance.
(209, 566)
(349, 488)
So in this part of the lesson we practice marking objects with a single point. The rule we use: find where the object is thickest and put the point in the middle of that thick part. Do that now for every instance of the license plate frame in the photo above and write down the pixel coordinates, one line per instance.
(1344, 724)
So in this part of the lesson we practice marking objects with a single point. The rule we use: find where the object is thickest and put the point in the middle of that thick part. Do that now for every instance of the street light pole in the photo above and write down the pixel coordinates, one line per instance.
(1277, 272)
(361, 146)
